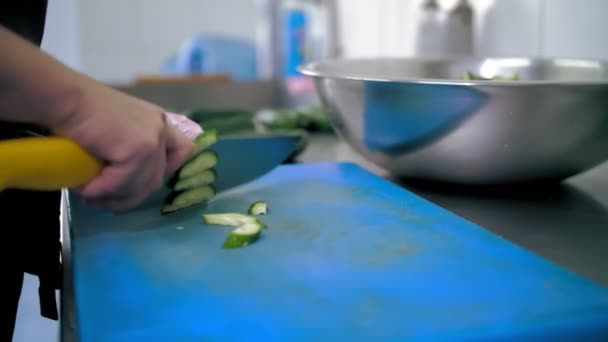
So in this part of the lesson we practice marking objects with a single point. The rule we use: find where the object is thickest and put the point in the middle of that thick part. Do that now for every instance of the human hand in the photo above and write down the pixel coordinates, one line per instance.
(133, 138)
(190, 128)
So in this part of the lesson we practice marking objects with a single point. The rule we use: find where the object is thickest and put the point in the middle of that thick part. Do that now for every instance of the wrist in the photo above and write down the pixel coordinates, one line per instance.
(63, 107)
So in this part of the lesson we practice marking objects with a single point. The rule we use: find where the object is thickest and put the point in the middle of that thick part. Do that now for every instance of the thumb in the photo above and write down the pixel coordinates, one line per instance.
(188, 127)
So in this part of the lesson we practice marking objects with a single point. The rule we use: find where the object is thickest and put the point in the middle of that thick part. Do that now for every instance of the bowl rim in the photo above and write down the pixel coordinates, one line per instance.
(312, 69)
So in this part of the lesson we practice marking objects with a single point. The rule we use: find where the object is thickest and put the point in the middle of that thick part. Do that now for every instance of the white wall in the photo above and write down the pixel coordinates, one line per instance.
(576, 28)
(122, 38)
(61, 35)
(559, 28)
(114, 40)
(509, 28)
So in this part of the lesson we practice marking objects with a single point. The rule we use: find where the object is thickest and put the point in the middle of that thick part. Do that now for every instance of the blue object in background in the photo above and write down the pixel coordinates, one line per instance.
(295, 26)
(347, 256)
(213, 53)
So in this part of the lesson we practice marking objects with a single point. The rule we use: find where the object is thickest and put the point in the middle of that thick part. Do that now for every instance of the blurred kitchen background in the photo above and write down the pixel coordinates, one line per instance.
(116, 41)
(188, 54)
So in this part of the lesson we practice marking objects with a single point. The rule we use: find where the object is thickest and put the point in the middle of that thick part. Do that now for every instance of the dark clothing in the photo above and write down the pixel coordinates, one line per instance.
(26, 18)
(30, 222)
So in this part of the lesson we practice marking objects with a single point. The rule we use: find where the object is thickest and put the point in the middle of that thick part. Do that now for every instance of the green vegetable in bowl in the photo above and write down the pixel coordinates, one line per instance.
(312, 119)
(224, 121)
(471, 76)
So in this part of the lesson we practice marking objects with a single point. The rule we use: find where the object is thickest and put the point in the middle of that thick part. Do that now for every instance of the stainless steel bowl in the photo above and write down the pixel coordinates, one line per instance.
(419, 118)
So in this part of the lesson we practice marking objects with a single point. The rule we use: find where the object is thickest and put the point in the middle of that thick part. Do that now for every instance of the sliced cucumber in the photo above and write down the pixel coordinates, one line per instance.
(224, 121)
(204, 140)
(243, 235)
(200, 161)
(258, 208)
(203, 178)
(204, 160)
(229, 219)
(248, 228)
(183, 199)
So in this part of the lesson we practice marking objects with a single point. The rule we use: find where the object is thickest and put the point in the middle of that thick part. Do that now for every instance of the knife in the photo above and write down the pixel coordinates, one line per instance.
(55, 163)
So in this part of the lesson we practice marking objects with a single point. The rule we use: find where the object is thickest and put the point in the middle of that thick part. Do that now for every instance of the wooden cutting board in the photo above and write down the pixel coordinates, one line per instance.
(347, 256)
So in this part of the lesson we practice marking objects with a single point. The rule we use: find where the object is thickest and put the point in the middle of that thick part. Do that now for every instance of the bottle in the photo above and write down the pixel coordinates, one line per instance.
(299, 32)
(291, 33)
(459, 30)
(429, 39)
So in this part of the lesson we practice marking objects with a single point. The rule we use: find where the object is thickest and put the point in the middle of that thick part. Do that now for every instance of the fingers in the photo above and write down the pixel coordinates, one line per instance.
(115, 182)
(119, 189)
(110, 183)
(118, 204)
(127, 182)
(122, 185)
(116, 201)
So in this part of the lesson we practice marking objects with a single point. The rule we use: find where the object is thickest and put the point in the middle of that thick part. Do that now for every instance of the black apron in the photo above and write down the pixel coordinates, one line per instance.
(30, 219)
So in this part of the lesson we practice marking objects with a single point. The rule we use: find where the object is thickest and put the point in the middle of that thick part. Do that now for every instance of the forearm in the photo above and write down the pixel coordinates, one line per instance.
(34, 87)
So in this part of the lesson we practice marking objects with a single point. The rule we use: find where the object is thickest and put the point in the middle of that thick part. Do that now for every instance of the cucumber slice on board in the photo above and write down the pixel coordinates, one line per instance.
(243, 235)
(248, 228)
(258, 208)
(229, 219)
(184, 199)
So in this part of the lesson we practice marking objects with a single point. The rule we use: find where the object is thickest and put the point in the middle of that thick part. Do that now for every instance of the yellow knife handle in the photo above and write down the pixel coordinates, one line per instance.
(45, 163)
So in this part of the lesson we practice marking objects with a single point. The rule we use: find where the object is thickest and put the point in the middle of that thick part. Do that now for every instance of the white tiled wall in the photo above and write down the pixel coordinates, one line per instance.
(113, 40)
(119, 39)
(559, 28)
(61, 35)
(509, 28)
(576, 28)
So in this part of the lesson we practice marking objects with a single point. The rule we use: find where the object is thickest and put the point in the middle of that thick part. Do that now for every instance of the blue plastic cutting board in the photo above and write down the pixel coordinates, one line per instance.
(347, 256)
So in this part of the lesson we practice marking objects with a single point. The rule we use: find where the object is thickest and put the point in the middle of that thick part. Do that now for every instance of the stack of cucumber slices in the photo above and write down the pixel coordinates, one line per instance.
(248, 227)
(193, 182)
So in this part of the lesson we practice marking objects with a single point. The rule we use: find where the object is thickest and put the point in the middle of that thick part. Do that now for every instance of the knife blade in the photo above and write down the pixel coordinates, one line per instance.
(243, 159)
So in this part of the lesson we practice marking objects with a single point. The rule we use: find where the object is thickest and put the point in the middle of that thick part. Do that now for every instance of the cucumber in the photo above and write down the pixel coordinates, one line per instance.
(182, 199)
(206, 177)
(204, 115)
(204, 140)
(243, 235)
(471, 76)
(258, 208)
(248, 228)
(192, 183)
(229, 219)
(225, 121)
(202, 161)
